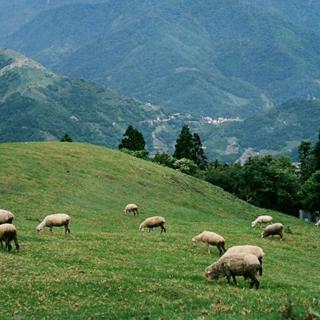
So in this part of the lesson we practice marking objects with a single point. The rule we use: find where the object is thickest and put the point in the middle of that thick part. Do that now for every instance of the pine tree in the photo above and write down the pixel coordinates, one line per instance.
(132, 140)
(199, 156)
(184, 147)
(66, 138)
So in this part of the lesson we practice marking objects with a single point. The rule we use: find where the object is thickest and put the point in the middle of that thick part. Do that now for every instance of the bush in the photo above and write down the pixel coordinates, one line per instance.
(186, 166)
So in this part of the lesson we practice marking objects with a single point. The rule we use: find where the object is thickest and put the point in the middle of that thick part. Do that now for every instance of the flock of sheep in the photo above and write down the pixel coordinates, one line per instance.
(244, 260)
(8, 231)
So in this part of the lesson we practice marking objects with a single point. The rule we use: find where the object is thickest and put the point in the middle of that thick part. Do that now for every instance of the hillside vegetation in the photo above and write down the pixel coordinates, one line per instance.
(36, 104)
(221, 58)
(106, 269)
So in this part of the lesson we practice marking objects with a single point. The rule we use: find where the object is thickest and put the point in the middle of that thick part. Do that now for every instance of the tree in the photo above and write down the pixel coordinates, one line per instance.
(184, 147)
(132, 140)
(66, 138)
(306, 159)
(229, 178)
(199, 156)
(311, 193)
(316, 154)
(163, 158)
(272, 183)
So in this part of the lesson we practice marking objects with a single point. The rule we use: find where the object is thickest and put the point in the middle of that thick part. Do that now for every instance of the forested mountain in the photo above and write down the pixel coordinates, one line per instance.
(214, 58)
(36, 104)
(302, 13)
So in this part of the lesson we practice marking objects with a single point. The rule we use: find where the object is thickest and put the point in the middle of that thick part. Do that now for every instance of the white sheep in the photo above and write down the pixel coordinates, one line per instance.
(210, 238)
(317, 223)
(131, 207)
(261, 220)
(273, 229)
(8, 232)
(247, 249)
(153, 222)
(246, 265)
(55, 220)
(6, 216)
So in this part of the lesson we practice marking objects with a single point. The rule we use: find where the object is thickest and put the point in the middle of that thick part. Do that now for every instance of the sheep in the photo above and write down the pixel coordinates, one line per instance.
(8, 232)
(246, 265)
(6, 216)
(211, 238)
(260, 220)
(273, 229)
(131, 207)
(55, 220)
(153, 222)
(318, 223)
(255, 250)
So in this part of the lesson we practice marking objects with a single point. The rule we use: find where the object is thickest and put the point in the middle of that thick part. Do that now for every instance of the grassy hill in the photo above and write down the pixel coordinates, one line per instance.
(106, 269)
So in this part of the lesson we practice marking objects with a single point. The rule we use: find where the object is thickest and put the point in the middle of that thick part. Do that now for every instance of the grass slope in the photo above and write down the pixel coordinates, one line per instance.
(106, 269)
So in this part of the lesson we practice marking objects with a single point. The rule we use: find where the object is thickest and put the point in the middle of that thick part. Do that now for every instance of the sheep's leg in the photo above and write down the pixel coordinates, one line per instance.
(220, 250)
(223, 247)
(254, 282)
(66, 228)
(8, 245)
(1, 244)
(50, 228)
(208, 248)
(234, 279)
(16, 243)
(228, 279)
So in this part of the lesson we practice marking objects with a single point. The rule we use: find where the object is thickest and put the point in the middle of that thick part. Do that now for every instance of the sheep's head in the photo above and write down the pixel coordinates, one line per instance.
(193, 241)
(253, 224)
(263, 234)
(141, 227)
(212, 273)
(39, 227)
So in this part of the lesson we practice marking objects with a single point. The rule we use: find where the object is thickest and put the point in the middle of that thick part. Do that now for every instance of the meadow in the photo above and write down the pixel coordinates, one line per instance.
(107, 269)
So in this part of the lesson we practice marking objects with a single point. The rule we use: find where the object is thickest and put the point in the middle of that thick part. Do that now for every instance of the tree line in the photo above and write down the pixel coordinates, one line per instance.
(265, 181)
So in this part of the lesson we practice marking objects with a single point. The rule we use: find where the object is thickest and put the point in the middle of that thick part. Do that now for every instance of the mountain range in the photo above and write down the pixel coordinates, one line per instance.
(218, 58)
(37, 105)
(242, 73)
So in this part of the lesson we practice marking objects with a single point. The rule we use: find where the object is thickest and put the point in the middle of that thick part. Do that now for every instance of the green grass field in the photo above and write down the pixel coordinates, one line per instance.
(107, 269)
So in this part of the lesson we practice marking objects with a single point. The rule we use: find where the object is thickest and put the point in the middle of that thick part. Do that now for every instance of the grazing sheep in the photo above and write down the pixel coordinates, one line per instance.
(211, 238)
(6, 216)
(153, 222)
(260, 220)
(318, 223)
(255, 250)
(273, 229)
(246, 265)
(55, 220)
(8, 232)
(131, 207)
